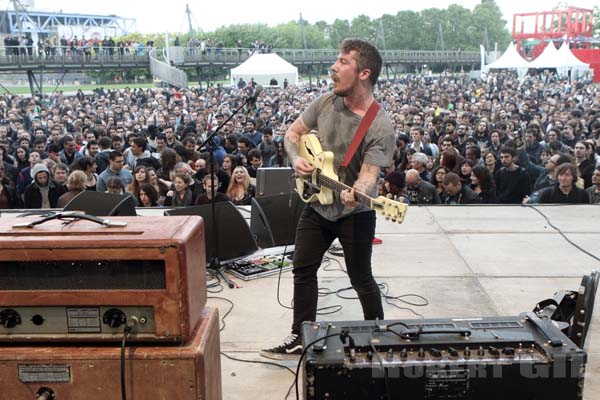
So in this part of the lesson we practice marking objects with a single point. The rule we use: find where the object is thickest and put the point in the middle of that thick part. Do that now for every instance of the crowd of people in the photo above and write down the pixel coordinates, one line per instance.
(87, 47)
(458, 141)
(53, 46)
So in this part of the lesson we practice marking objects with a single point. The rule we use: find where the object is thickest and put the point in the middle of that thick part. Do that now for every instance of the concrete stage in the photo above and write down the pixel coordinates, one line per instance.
(467, 261)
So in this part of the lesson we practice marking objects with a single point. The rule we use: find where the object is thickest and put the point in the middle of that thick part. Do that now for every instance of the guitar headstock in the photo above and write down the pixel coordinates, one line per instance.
(390, 209)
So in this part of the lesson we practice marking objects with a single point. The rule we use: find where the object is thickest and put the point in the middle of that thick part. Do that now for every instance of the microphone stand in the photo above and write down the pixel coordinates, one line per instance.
(215, 264)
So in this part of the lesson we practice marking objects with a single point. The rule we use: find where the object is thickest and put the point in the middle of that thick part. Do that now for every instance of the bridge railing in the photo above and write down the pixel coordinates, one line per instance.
(165, 72)
(24, 56)
(27, 56)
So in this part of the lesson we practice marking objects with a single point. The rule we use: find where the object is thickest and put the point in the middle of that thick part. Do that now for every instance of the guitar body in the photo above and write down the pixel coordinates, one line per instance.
(311, 150)
(323, 182)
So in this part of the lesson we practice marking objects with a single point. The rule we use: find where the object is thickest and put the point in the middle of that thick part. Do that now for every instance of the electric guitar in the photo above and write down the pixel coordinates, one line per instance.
(323, 182)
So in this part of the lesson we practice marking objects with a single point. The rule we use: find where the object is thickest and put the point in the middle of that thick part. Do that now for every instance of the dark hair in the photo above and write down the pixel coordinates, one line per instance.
(39, 140)
(451, 178)
(367, 57)
(449, 160)
(246, 141)
(484, 177)
(53, 148)
(114, 183)
(189, 139)
(114, 154)
(418, 129)
(235, 161)
(83, 163)
(562, 168)
(104, 142)
(433, 178)
(26, 153)
(150, 192)
(254, 153)
(267, 131)
(447, 139)
(555, 146)
(185, 178)
(232, 139)
(476, 150)
(508, 150)
(168, 159)
(140, 142)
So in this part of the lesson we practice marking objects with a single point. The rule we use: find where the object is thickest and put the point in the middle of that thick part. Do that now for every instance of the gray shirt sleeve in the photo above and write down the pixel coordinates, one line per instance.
(380, 150)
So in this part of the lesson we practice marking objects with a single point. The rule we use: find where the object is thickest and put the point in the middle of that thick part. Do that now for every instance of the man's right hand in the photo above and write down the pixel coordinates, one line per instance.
(303, 167)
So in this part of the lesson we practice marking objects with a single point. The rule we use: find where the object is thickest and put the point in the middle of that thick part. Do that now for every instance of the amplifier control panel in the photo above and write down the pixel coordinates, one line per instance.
(75, 320)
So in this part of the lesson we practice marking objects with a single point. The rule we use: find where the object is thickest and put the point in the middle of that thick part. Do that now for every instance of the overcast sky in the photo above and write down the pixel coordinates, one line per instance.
(161, 16)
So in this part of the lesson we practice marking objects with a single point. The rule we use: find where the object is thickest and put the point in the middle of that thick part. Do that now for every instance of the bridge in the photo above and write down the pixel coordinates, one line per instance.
(317, 61)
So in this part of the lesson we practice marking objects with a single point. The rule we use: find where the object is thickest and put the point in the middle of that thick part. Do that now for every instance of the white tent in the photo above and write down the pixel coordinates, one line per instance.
(548, 59)
(510, 59)
(570, 63)
(263, 68)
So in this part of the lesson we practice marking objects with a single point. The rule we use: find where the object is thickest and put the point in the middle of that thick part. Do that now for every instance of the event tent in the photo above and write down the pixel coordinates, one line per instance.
(263, 68)
(568, 59)
(510, 59)
(548, 59)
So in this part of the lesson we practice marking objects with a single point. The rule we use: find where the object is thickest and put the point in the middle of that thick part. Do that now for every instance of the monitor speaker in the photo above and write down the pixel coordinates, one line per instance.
(235, 239)
(272, 181)
(103, 204)
(274, 219)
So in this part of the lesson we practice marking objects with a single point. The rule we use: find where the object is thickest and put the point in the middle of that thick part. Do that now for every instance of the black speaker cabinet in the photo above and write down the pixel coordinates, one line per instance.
(235, 239)
(274, 219)
(103, 204)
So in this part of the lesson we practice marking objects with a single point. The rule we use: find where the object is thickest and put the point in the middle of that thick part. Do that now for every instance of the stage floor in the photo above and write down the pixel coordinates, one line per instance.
(467, 261)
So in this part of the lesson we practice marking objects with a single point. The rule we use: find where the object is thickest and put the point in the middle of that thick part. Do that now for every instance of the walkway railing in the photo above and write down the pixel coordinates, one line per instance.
(165, 72)
(22, 57)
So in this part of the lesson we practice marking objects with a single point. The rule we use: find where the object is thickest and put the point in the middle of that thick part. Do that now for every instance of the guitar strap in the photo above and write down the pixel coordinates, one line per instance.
(364, 126)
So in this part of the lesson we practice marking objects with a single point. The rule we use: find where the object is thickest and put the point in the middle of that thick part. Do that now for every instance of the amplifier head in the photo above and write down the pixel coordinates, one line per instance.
(84, 281)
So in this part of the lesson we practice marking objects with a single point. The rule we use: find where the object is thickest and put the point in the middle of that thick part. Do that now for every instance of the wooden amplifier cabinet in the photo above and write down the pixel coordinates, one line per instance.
(84, 281)
(190, 371)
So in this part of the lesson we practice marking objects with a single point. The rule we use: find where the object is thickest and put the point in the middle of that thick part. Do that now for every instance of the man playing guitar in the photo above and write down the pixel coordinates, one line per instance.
(336, 116)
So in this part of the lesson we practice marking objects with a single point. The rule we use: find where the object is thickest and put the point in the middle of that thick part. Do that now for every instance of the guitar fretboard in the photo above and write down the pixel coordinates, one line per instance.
(339, 186)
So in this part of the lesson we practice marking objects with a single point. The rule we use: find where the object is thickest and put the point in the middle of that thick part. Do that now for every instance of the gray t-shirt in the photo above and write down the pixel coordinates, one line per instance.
(336, 126)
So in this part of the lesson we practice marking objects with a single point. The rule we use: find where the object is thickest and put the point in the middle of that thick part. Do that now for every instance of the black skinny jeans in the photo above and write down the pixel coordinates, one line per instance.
(314, 235)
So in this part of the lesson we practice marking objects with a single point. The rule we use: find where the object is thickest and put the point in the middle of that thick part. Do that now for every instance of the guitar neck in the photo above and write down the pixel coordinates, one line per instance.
(339, 186)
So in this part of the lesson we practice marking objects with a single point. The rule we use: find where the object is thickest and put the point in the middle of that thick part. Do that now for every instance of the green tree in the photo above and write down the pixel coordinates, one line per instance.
(339, 30)
(488, 15)
(362, 27)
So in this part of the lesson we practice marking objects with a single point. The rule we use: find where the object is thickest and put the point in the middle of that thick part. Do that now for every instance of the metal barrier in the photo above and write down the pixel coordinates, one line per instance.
(166, 73)
(190, 56)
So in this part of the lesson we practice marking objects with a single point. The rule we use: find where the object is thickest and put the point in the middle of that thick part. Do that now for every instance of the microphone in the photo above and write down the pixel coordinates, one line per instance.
(257, 91)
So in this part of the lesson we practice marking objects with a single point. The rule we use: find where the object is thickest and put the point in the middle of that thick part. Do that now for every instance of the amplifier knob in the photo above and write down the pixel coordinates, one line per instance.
(467, 352)
(494, 351)
(370, 355)
(480, 351)
(114, 318)
(509, 351)
(9, 318)
(435, 353)
(453, 352)
(403, 354)
(390, 354)
(421, 353)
